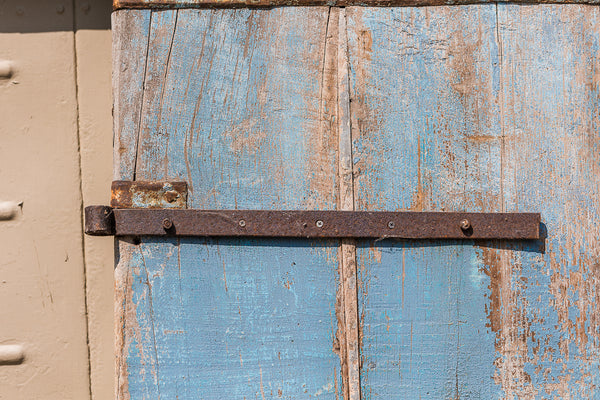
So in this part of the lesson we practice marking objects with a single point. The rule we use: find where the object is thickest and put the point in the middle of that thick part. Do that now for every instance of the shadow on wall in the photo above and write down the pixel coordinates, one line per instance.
(30, 16)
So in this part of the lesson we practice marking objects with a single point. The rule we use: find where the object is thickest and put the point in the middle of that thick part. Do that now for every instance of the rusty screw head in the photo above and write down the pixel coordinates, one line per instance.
(242, 223)
(171, 196)
(167, 223)
(319, 224)
(465, 225)
(391, 225)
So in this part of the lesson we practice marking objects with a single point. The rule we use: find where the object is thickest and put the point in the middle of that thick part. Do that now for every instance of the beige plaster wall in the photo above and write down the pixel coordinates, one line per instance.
(56, 287)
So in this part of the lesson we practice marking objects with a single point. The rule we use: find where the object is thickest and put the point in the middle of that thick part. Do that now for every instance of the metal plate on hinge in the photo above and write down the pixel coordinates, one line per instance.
(102, 220)
(144, 194)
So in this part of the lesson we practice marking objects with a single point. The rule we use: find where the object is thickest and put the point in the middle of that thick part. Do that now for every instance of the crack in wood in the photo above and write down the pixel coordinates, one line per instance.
(346, 203)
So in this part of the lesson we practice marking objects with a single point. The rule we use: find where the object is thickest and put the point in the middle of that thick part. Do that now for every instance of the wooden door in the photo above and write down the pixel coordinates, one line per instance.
(481, 107)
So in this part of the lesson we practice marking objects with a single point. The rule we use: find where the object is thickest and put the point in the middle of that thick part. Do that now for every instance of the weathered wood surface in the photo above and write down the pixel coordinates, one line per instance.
(348, 270)
(165, 4)
(547, 330)
(130, 47)
(488, 107)
(238, 103)
(426, 133)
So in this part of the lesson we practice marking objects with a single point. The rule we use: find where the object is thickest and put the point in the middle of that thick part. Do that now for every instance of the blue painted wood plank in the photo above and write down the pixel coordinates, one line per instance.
(527, 321)
(453, 108)
(426, 137)
(135, 331)
(248, 319)
(548, 332)
(160, 43)
(236, 103)
(253, 92)
(130, 38)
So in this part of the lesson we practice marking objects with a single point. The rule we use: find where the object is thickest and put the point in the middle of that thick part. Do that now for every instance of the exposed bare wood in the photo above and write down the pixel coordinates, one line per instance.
(346, 200)
(154, 4)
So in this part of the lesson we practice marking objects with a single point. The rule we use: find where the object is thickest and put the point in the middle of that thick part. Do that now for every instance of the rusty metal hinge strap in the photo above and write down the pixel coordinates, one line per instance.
(104, 220)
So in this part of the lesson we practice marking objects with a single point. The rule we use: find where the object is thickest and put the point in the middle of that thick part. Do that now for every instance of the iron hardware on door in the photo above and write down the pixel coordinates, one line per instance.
(105, 220)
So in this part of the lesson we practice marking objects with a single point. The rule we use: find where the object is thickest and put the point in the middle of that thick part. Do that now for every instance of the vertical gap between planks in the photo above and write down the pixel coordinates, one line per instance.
(501, 100)
(78, 136)
(329, 106)
(346, 203)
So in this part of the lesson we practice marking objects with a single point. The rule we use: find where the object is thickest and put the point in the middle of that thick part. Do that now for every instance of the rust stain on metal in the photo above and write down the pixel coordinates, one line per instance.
(321, 224)
(131, 194)
(99, 221)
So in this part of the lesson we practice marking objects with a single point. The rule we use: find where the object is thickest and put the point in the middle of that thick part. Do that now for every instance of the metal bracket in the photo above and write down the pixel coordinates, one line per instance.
(140, 208)
(104, 220)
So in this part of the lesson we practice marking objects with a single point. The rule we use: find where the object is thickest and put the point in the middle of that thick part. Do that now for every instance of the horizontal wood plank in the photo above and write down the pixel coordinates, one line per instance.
(166, 4)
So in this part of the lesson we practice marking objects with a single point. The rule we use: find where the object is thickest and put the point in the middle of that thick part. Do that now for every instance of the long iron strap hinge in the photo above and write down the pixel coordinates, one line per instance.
(104, 220)
(164, 215)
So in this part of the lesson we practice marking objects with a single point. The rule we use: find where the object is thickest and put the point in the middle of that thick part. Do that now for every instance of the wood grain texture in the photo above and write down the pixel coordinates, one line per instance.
(130, 38)
(169, 4)
(240, 104)
(547, 329)
(464, 108)
(426, 135)
(348, 246)
(472, 108)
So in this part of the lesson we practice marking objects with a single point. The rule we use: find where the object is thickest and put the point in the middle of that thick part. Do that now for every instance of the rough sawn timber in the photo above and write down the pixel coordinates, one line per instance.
(426, 137)
(487, 108)
(240, 104)
(483, 107)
